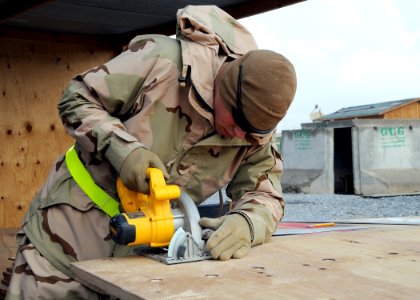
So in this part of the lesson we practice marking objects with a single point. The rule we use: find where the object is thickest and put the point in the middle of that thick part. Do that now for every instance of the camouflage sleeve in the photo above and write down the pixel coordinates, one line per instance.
(93, 127)
(96, 101)
(256, 192)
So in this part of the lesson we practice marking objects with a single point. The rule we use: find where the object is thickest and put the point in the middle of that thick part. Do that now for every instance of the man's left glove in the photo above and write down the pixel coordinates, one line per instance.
(231, 236)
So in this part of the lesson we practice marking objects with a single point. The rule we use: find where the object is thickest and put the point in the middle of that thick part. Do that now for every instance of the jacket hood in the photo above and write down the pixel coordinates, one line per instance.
(208, 36)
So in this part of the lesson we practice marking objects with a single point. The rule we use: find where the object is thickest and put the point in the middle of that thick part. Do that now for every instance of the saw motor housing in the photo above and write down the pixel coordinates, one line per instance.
(148, 219)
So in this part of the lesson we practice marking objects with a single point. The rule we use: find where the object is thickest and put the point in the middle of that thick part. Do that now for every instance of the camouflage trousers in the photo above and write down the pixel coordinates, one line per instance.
(34, 277)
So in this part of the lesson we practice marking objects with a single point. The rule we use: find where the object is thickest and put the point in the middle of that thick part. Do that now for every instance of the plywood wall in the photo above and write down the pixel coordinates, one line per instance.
(33, 75)
(410, 111)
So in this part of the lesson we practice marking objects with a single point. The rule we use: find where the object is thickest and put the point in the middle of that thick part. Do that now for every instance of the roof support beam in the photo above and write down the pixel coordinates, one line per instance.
(238, 11)
(11, 8)
(255, 7)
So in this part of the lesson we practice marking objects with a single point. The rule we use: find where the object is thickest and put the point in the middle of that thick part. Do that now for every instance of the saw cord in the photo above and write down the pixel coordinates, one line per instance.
(222, 204)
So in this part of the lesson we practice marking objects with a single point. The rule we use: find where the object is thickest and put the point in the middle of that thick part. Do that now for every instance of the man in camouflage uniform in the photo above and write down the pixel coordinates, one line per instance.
(202, 107)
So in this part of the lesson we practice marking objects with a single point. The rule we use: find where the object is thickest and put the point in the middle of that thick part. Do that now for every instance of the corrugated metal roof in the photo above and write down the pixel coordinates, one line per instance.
(375, 109)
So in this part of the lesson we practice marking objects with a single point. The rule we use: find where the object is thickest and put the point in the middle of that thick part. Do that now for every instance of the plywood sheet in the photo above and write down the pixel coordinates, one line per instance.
(33, 75)
(374, 263)
(410, 111)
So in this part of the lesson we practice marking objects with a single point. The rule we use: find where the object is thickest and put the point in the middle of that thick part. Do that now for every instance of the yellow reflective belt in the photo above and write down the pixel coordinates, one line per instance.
(82, 177)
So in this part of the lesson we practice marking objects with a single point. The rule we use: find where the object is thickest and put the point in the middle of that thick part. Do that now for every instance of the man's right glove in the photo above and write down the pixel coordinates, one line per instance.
(231, 238)
(133, 170)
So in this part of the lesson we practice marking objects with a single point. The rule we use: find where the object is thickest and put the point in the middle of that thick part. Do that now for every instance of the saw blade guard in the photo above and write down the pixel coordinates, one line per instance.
(191, 219)
(187, 244)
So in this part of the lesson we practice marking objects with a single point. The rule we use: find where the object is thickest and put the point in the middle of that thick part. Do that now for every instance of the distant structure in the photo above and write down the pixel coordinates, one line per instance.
(316, 114)
(368, 150)
(398, 109)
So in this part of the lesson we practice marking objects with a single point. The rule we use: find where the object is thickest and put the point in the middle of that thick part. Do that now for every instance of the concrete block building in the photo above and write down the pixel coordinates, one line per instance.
(366, 150)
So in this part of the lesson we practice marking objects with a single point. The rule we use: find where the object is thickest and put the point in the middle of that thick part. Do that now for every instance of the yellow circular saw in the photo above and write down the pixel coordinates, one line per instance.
(163, 224)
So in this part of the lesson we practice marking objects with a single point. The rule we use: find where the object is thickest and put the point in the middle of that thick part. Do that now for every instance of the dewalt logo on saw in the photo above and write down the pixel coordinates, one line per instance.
(164, 223)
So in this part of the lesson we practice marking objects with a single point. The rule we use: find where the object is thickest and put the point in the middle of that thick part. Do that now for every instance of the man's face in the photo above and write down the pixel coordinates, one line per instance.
(223, 119)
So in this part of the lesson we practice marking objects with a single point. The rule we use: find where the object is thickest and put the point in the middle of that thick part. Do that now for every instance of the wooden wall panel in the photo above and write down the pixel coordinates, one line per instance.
(410, 111)
(33, 75)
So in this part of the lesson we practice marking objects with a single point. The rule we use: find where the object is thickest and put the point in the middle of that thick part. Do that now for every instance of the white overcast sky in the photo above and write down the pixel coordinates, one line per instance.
(346, 52)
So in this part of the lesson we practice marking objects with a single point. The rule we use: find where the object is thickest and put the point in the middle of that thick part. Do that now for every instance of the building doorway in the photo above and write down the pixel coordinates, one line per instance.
(343, 161)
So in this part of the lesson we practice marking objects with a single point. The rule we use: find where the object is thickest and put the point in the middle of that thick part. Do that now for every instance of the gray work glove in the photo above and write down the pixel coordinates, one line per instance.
(133, 170)
(231, 236)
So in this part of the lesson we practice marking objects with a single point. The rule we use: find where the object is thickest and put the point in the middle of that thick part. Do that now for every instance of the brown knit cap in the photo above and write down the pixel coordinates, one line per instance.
(268, 87)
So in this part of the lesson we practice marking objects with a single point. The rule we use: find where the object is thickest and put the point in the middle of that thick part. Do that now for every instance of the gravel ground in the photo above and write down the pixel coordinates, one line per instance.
(311, 207)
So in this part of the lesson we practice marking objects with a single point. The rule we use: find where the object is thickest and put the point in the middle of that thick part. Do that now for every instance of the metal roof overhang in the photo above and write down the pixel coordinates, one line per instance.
(110, 21)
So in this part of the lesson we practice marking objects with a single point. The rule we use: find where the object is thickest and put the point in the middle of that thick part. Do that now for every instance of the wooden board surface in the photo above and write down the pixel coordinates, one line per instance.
(33, 76)
(374, 263)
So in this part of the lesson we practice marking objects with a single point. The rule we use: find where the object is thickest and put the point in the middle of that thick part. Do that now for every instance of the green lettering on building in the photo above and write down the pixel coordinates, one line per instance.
(302, 139)
(392, 137)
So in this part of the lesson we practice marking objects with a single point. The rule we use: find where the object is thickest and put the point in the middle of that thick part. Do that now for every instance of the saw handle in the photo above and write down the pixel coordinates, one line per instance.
(133, 201)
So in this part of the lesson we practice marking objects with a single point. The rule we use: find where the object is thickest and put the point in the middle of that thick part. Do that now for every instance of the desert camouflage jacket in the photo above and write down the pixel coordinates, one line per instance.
(158, 94)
